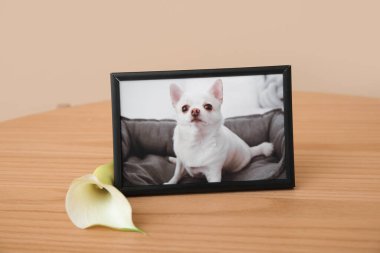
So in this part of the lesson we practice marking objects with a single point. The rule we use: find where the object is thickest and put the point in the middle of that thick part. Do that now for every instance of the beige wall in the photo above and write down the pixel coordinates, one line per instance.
(55, 52)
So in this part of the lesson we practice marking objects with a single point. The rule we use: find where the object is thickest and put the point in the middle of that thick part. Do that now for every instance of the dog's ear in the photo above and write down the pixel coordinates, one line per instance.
(175, 93)
(217, 90)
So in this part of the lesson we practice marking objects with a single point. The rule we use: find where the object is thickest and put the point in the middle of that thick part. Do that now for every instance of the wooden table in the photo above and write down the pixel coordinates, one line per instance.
(334, 208)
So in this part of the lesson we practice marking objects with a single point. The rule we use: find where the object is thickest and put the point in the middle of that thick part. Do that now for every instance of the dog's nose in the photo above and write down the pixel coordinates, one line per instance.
(195, 112)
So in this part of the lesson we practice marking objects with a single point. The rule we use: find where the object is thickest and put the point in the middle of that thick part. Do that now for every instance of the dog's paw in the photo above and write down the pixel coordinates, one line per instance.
(172, 159)
(267, 148)
(170, 182)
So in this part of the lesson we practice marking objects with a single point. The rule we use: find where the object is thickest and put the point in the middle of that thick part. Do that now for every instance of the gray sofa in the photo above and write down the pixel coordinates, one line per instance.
(146, 145)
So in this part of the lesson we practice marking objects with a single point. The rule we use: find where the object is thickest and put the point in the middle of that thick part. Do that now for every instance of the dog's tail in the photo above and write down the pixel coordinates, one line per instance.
(264, 148)
(172, 159)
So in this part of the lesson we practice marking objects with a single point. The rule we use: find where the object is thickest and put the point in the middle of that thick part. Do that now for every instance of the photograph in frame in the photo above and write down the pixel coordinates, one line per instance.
(202, 130)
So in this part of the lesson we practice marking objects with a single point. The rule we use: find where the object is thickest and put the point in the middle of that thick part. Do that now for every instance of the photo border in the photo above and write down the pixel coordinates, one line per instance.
(225, 186)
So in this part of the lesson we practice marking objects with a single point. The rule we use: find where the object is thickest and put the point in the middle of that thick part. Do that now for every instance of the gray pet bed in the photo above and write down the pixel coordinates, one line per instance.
(146, 145)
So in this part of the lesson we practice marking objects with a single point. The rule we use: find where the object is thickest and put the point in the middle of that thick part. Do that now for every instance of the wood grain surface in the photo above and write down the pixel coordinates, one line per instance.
(334, 208)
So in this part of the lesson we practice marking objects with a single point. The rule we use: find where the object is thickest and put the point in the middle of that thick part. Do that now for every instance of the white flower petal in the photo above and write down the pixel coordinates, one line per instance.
(90, 202)
(105, 173)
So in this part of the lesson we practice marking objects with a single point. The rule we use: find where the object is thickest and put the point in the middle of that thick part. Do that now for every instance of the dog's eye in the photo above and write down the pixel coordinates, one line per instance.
(208, 107)
(185, 108)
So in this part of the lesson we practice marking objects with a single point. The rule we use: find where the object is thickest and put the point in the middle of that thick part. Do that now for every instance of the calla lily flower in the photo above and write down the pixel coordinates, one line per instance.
(92, 200)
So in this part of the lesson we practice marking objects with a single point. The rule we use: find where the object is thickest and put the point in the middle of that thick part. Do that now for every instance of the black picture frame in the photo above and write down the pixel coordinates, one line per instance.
(224, 186)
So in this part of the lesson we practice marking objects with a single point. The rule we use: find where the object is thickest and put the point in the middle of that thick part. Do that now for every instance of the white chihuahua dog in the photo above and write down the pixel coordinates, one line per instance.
(202, 144)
